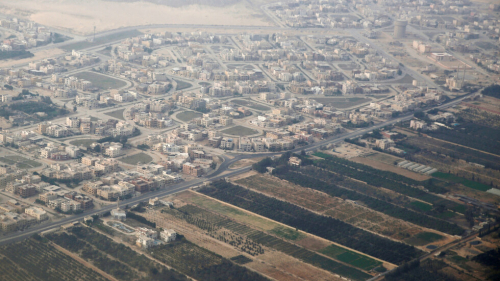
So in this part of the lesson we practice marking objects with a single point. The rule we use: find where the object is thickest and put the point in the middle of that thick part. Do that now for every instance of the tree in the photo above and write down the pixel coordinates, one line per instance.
(74, 108)
(123, 140)
(303, 152)
(419, 114)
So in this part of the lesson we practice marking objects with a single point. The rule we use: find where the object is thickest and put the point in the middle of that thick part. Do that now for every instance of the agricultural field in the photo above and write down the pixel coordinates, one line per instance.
(350, 257)
(466, 182)
(141, 157)
(118, 114)
(240, 131)
(116, 259)
(181, 85)
(383, 200)
(201, 263)
(38, 260)
(194, 222)
(226, 230)
(251, 104)
(331, 206)
(388, 180)
(101, 81)
(19, 161)
(188, 115)
(82, 142)
(305, 220)
(101, 40)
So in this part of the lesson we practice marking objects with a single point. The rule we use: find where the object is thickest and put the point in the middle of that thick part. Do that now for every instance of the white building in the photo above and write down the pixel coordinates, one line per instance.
(118, 214)
(168, 235)
(146, 232)
(145, 242)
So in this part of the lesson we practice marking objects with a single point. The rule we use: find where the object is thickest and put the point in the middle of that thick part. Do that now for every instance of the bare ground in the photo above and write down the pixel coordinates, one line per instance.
(391, 168)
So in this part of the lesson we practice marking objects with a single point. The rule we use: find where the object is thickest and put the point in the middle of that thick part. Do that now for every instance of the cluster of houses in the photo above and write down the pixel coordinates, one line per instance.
(124, 184)
(27, 34)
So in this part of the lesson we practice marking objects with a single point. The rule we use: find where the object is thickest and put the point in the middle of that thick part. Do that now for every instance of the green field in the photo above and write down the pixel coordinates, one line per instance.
(188, 115)
(423, 238)
(82, 142)
(136, 158)
(118, 114)
(181, 85)
(240, 131)
(287, 233)
(251, 105)
(422, 206)
(20, 162)
(466, 182)
(350, 257)
(101, 40)
(101, 81)
(446, 215)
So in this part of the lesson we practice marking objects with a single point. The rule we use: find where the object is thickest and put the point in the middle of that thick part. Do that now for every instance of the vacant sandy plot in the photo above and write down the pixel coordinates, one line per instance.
(245, 162)
(391, 168)
(38, 56)
(81, 16)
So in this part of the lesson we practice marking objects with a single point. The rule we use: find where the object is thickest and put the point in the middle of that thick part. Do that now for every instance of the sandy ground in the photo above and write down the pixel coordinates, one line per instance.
(80, 17)
(245, 162)
(38, 56)
(391, 168)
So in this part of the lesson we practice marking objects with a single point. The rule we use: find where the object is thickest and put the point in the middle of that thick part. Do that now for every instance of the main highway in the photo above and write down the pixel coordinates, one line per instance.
(222, 172)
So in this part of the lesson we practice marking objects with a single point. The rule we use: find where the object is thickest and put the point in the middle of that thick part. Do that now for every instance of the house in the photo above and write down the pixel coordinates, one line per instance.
(146, 232)
(168, 235)
(295, 161)
(37, 212)
(145, 242)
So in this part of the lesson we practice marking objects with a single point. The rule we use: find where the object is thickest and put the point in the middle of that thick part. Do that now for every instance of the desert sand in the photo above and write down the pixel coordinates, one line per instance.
(80, 17)
(38, 56)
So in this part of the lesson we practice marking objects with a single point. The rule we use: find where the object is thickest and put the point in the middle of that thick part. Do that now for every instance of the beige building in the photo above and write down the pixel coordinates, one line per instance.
(37, 212)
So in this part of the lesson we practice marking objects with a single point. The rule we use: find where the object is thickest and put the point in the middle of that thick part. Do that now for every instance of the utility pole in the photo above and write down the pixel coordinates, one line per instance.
(93, 40)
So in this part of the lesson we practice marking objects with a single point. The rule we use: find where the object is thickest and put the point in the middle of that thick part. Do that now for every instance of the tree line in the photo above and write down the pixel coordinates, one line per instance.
(323, 183)
(322, 226)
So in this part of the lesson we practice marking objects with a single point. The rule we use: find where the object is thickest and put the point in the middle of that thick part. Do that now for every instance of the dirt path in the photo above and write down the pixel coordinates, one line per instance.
(84, 262)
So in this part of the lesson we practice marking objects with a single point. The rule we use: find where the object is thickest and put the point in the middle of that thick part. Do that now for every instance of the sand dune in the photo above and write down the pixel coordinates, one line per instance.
(80, 16)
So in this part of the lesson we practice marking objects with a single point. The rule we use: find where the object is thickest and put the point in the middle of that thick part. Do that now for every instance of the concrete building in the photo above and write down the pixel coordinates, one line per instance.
(168, 235)
(119, 214)
(37, 212)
